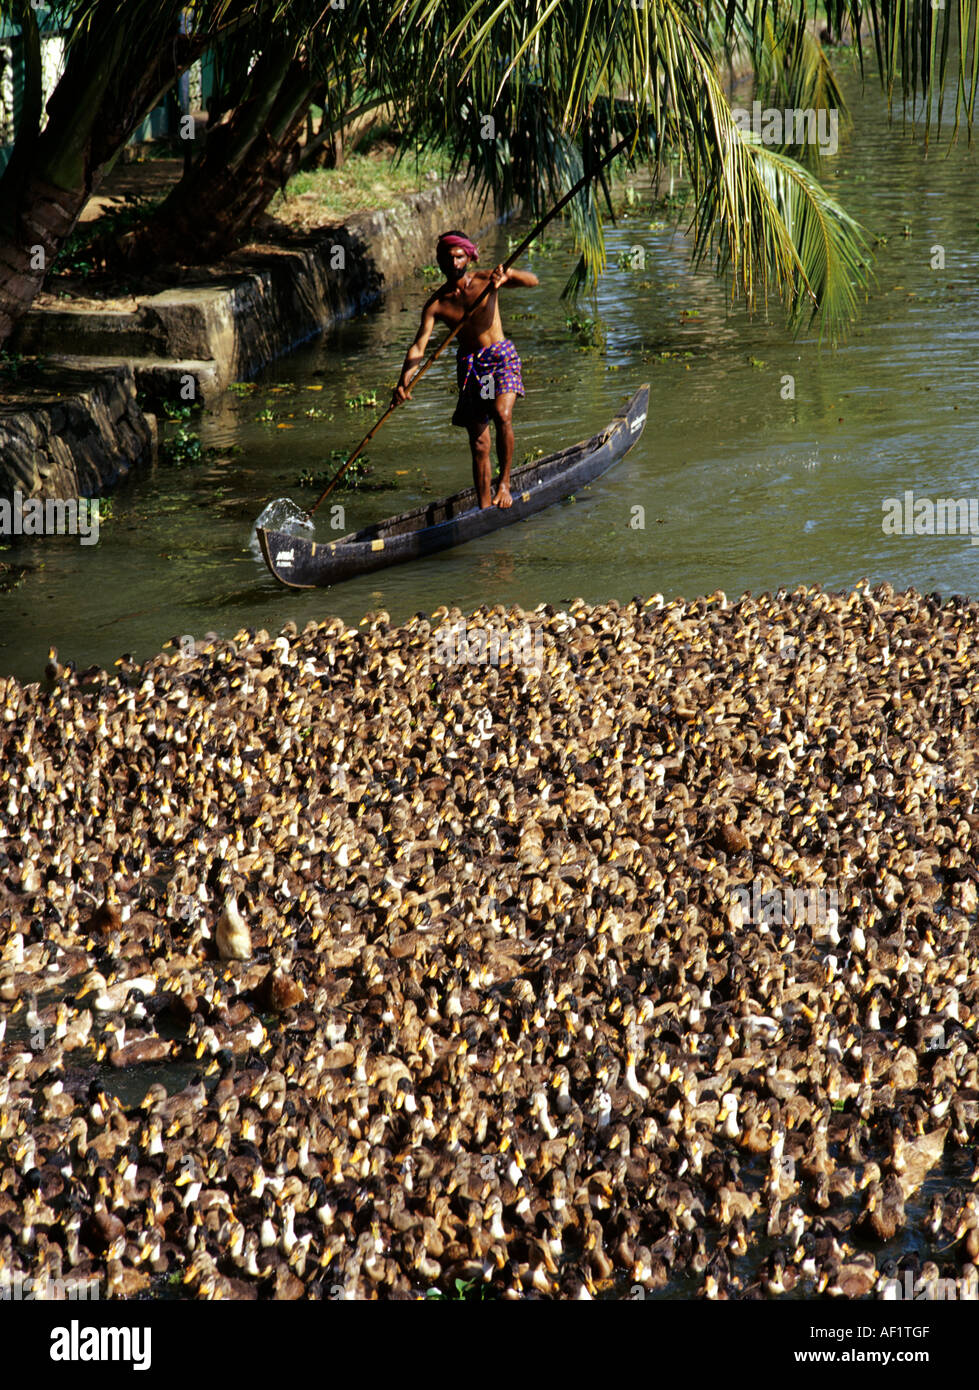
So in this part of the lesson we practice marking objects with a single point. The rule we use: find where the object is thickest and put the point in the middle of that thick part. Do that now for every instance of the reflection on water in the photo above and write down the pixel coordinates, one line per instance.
(741, 483)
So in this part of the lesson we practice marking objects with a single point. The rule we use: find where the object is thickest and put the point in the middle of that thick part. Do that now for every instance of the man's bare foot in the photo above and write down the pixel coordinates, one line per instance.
(503, 498)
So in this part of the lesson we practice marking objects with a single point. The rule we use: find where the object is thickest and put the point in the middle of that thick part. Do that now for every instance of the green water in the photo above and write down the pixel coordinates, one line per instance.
(740, 489)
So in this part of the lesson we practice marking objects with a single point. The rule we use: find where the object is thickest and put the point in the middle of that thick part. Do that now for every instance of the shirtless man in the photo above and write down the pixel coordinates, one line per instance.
(488, 368)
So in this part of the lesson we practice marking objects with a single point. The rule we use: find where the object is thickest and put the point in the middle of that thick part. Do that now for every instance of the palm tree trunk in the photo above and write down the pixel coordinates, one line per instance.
(113, 77)
(245, 160)
(327, 148)
(25, 255)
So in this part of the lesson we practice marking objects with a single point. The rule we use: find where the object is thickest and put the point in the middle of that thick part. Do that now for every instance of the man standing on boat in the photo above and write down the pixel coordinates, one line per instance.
(488, 368)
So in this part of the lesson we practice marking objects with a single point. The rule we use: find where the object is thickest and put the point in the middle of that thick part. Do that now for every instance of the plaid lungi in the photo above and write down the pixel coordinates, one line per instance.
(482, 376)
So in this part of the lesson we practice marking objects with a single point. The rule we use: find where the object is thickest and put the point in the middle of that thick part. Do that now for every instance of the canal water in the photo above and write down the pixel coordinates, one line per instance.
(743, 480)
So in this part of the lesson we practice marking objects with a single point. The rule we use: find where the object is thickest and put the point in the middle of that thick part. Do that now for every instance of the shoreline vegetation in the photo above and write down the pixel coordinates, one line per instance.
(336, 970)
(369, 180)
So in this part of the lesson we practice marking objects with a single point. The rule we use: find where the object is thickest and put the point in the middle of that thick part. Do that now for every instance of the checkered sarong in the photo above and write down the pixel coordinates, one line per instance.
(482, 376)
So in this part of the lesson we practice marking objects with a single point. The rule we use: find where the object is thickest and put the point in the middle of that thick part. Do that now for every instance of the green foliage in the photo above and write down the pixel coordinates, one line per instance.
(184, 447)
(177, 411)
(673, 203)
(464, 1291)
(554, 77)
(540, 246)
(358, 477)
(362, 401)
(83, 251)
(587, 333)
(551, 78)
(368, 179)
(300, 184)
(11, 363)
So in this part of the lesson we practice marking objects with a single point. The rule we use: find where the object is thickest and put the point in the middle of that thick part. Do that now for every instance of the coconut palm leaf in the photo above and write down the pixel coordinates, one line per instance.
(816, 254)
(543, 72)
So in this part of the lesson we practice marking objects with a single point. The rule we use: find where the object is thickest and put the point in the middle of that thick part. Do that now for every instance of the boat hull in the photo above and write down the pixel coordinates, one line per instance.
(455, 520)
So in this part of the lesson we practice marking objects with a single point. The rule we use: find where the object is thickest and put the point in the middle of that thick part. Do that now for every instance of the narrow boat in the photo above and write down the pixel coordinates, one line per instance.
(307, 564)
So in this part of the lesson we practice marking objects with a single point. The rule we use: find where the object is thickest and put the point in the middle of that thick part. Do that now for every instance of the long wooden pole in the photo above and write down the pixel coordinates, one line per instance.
(530, 237)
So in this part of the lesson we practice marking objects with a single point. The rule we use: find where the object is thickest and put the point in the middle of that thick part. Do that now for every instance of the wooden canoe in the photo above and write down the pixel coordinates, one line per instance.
(307, 564)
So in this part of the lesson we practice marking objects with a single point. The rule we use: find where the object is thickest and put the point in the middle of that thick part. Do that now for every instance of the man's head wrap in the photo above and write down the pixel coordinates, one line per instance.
(458, 239)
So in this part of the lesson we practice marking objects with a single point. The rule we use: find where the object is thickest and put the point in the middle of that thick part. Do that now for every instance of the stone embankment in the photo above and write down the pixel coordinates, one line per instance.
(72, 434)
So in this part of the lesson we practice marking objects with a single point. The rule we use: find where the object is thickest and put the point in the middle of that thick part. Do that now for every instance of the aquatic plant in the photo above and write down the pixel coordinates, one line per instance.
(184, 447)
(177, 410)
(588, 333)
(357, 478)
(541, 245)
(675, 202)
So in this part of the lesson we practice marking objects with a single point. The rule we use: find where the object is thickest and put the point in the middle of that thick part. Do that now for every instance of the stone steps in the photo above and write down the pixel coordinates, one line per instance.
(158, 379)
(87, 333)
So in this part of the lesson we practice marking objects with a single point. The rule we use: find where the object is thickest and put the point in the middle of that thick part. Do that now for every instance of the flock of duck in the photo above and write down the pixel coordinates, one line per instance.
(329, 970)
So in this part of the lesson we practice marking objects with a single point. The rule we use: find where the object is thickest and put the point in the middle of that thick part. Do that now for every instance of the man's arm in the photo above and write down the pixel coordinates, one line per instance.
(415, 355)
(513, 279)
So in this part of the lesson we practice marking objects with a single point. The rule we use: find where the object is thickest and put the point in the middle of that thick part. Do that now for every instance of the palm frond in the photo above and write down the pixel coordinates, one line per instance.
(818, 255)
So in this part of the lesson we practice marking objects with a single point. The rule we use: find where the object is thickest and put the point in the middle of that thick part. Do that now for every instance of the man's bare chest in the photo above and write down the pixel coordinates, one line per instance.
(452, 310)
